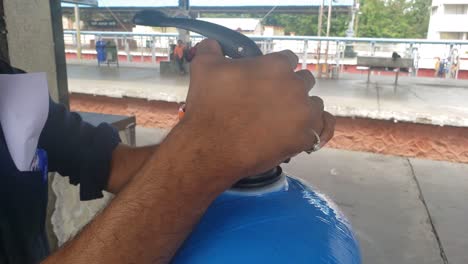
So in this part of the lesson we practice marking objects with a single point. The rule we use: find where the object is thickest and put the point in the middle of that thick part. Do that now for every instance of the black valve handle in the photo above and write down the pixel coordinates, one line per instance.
(234, 44)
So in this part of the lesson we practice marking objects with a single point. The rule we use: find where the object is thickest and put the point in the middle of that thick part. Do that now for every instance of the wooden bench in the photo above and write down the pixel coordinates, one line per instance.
(372, 62)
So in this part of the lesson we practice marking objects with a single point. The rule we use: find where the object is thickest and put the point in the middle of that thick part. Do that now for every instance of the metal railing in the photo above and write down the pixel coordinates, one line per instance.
(335, 52)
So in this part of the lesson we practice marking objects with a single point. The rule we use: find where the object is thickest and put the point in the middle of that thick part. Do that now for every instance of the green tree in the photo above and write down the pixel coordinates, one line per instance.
(303, 25)
(339, 24)
(394, 18)
(419, 17)
(378, 19)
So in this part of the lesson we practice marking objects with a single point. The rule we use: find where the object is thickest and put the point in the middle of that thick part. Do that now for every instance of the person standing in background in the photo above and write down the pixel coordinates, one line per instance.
(179, 52)
(442, 65)
(453, 70)
(437, 67)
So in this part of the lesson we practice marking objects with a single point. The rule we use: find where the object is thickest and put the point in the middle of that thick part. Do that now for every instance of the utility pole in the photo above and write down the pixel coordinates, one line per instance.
(184, 11)
(330, 2)
(356, 14)
(319, 33)
(78, 31)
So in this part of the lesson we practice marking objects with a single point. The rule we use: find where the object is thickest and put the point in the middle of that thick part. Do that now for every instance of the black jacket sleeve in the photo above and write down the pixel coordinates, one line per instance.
(79, 150)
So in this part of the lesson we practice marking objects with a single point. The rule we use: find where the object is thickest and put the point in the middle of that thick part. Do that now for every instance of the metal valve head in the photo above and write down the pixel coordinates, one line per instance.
(234, 44)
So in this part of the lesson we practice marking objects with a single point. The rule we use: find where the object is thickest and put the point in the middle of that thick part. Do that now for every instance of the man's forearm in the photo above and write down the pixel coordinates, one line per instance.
(126, 162)
(151, 216)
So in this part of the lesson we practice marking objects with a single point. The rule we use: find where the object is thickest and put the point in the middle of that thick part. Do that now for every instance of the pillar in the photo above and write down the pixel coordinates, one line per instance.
(31, 38)
(35, 41)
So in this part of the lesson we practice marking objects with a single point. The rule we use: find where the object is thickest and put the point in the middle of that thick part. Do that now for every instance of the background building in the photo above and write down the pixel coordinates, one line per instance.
(449, 20)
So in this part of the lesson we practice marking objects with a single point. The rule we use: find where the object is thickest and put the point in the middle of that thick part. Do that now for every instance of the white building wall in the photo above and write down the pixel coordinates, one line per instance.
(449, 19)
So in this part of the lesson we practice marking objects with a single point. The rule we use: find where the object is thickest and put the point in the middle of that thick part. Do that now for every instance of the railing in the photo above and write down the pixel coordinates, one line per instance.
(334, 52)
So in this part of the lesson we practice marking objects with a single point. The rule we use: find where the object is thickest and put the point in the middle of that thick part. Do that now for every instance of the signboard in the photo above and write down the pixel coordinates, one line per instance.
(82, 2)
(103, 23)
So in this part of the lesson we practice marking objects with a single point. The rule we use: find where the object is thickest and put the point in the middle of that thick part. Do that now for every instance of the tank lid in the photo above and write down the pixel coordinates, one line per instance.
(260, 180)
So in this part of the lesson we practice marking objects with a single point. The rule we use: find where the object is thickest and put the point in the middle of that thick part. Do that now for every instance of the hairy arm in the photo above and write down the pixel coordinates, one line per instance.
(125, 163)
(151, 216)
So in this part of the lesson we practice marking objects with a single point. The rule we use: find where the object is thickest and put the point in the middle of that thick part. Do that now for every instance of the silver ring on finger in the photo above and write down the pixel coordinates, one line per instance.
(316, 146)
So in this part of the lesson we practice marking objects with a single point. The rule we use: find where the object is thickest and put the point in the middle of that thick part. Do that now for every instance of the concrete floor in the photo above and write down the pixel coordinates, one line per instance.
(404, 211)
(420, 100)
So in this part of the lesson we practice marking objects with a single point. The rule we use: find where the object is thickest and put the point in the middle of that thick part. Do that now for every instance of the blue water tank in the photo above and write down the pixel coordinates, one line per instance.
(284, 222)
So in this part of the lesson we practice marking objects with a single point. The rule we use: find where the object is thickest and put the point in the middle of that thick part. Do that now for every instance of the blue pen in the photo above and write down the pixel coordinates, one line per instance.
(40, 163)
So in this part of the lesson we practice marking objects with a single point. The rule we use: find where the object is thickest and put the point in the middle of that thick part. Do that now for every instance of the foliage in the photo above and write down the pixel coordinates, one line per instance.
(300, 24)
(394, 18)
(377, 18)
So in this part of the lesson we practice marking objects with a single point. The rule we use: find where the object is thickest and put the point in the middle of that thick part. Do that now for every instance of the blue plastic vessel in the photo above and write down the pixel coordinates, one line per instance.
(284, 222)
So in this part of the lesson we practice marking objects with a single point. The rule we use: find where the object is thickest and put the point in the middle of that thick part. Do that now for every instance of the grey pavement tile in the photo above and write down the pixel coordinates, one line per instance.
(380, 196)
(444, 187)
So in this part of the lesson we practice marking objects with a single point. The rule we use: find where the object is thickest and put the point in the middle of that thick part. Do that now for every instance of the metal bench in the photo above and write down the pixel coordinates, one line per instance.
(124, 124)
(372, 62)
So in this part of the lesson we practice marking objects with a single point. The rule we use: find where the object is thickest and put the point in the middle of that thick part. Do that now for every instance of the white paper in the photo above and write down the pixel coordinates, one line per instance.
(24, 107)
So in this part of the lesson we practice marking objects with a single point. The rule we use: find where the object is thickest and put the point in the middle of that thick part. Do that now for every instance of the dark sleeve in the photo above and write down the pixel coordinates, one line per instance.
(79, 150)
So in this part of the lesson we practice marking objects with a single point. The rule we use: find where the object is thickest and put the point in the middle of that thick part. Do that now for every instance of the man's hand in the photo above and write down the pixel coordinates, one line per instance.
(249, 114)
(253, 113)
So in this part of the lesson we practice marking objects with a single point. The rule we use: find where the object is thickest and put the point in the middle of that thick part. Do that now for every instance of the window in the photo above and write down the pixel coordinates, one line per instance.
(451, 35)
(456, 9)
